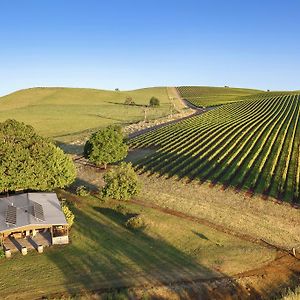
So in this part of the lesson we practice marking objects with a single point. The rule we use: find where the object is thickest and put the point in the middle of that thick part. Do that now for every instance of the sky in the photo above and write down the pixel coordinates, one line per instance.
(141, 43)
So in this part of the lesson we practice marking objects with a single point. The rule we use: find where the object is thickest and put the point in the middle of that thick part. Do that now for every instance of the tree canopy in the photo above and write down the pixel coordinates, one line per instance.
(154, 102)
(31, 162)
(121, 182)
(106, 146)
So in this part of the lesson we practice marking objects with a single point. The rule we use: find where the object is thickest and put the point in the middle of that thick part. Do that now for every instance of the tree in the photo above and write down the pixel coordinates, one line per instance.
(31, 162)
(106, 146)
(129, 101)
(154, 102)
(121, 182)
(68, 214)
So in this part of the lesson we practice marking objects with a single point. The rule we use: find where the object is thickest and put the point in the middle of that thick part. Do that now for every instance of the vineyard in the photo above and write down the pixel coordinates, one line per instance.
(202, 96)
(252, 145)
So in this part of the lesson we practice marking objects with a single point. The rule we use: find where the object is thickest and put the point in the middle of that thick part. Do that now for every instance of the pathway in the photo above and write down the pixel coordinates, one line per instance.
(197, 111)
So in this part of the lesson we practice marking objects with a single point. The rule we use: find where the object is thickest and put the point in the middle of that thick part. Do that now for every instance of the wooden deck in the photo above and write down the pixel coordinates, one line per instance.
(30, 243)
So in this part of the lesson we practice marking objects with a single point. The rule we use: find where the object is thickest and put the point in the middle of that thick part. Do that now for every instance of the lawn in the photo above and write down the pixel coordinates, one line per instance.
(68, 113)
(105, 254)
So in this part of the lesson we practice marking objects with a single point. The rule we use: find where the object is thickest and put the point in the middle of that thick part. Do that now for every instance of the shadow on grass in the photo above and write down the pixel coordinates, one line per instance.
(81, 182)
(106, 117)
(200, 235)
(104, 256)
(127, 105)
(117, 217)
(70, 148)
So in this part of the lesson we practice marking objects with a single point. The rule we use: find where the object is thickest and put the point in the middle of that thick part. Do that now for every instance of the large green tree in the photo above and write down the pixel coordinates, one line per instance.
(31, 162)
(106, 146)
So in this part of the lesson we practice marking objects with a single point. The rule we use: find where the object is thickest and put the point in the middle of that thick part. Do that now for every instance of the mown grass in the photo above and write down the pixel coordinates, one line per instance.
(66, 113)
(105, 254)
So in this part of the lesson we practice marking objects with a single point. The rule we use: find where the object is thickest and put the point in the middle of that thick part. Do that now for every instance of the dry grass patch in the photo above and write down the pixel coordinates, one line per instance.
(275, 223)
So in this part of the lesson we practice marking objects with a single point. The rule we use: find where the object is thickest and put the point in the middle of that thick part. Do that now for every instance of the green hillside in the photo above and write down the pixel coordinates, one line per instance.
(63, 113)
(204, 96)
(253, 145)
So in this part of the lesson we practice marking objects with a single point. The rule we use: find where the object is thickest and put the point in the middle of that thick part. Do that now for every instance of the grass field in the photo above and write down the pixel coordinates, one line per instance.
(105, 254)
(67, 113)
(275, 223)
(279, 226)
(204, 96)
(252, 145)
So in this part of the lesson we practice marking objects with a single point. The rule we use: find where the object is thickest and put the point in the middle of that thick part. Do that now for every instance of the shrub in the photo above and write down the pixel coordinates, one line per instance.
(82, 191)
(121, 182)
(106, 146)
(136, 222)
(129, 101)
(2, 254)
(68, 214)
(154, 102)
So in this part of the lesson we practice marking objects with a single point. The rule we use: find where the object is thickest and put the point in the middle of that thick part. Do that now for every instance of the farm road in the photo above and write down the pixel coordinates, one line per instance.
(197, 111)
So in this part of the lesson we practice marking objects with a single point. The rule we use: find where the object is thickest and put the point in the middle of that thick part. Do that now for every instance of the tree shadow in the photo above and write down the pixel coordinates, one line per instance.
(82, 182)
(127, 105)
(70, 148)
(116, 216)
(201, 235)
(104, 255)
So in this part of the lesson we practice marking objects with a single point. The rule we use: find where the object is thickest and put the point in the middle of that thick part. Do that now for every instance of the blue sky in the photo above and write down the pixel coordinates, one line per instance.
(138, 43)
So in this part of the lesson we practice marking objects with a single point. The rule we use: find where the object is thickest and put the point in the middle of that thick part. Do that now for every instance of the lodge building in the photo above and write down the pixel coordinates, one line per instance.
(31, 220)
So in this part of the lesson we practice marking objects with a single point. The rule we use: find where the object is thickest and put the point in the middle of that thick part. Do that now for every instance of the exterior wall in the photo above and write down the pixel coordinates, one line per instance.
(60, 240)
(6, 233)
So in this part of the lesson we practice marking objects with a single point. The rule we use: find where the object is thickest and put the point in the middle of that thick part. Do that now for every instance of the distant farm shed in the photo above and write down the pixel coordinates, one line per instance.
(31, 216)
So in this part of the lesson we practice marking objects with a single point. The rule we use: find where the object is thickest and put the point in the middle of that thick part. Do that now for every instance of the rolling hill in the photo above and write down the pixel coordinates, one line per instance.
(63, 113)
(252, 145)
(204, 96)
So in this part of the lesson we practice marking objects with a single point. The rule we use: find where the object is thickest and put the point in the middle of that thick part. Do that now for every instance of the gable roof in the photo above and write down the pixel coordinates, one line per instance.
(30, 209)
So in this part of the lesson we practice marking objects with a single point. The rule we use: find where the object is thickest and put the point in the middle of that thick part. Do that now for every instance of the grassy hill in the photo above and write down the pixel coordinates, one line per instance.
(69, 113)
(253, 145)
(63, 113)
(204, 96)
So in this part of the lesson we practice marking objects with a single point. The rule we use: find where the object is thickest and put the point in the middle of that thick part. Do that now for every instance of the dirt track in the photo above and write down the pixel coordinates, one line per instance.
(262, 283)
(212, 225)
(197, 111)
